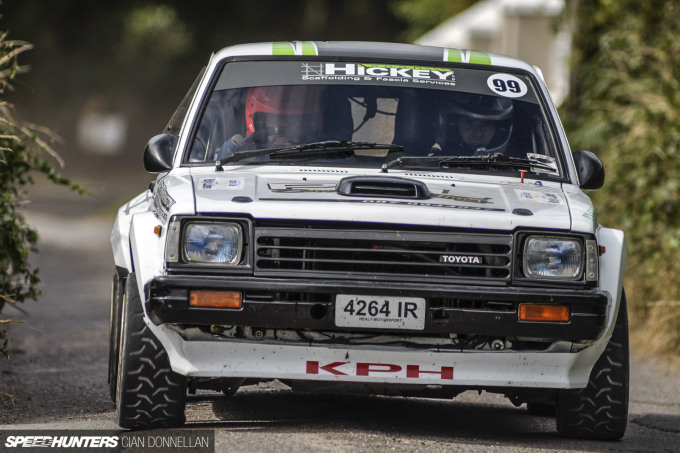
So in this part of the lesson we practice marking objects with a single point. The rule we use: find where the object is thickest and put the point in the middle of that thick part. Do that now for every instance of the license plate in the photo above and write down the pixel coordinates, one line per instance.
(380, 312)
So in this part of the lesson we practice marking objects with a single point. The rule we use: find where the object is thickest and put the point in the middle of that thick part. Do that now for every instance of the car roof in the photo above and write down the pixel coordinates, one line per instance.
(379, 50)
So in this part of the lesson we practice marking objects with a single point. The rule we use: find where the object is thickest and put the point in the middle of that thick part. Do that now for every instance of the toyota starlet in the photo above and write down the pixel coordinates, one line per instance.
(390, 218)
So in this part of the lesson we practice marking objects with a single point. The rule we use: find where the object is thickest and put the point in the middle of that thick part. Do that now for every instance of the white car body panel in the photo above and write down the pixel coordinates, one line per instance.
(277, 194)
(120, 235)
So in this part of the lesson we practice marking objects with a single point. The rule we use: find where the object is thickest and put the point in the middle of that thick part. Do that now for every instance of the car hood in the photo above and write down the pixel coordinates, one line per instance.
(451, 200)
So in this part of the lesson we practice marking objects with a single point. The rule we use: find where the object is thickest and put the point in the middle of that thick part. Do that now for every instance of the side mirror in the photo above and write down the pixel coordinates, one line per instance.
(589, 169)
(159, 152)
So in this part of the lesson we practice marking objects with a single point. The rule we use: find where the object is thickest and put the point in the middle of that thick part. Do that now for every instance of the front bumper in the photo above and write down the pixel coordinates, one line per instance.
(473, 369)
(309, 304)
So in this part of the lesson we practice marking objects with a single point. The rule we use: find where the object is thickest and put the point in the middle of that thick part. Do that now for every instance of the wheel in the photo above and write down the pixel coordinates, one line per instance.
(117, 291)
(149, 394)
(600, 410)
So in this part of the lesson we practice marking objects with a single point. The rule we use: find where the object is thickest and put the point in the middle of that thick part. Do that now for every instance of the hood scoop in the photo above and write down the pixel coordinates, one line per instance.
(383, 186)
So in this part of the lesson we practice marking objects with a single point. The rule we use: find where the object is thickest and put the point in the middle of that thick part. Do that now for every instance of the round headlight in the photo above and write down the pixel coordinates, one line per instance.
(553, 258)
(212, 243)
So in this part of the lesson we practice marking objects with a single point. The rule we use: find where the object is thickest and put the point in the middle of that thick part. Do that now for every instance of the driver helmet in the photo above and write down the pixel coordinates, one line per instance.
(476, 124)
(283, 115)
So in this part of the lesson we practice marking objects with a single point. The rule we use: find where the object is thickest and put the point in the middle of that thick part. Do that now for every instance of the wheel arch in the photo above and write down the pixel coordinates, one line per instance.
(120, 234)
(612, 265)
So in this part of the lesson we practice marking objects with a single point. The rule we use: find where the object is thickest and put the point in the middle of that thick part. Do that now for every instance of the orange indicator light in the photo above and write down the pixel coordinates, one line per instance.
(157, 230)
(215, 299)
(545, 313)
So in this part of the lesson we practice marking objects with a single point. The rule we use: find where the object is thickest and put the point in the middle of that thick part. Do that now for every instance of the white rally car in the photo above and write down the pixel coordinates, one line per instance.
(390, 218)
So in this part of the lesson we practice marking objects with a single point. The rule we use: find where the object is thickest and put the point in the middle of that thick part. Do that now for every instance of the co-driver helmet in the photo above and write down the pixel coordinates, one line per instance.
(475, 107)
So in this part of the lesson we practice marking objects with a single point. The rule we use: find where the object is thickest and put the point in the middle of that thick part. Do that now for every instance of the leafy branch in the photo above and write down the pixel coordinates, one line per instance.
(25, 149)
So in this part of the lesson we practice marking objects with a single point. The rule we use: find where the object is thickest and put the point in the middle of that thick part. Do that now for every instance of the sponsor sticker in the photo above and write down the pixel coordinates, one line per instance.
(162, 201)
(592, 215)
(507, 85)
(382, 369)
(535, 195)
(221, 184)
(340, 71)
(478, 200)
(545, 160)
(390, 202)
(300, 187)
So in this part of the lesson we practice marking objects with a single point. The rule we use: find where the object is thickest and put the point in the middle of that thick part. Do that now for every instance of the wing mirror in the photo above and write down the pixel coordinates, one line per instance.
(589, 169)
(159, 152)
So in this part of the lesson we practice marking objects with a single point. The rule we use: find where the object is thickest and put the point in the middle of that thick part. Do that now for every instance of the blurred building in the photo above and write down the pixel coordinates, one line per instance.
(533, 30)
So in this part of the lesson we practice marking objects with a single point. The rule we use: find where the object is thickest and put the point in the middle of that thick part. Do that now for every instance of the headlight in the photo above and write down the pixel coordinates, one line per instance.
(212, 243)
(553, 258)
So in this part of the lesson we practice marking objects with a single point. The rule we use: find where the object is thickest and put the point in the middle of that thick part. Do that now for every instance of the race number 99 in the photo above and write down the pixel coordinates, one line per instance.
(507, 85)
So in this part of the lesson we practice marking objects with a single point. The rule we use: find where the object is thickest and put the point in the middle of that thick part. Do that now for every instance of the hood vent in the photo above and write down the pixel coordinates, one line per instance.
(384, 187)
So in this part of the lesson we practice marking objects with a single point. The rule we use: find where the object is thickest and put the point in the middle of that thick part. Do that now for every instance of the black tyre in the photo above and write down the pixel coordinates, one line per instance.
(600, 411)
(117, 291)
(149, 393)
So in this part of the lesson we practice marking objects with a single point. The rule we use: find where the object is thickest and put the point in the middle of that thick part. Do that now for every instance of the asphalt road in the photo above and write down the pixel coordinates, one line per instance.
(57, 379)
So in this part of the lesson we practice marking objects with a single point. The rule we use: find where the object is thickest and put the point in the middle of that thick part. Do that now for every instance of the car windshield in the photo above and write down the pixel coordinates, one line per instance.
(365, 109)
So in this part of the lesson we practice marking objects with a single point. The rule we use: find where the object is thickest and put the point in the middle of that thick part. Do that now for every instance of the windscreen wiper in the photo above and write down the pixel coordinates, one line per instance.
(306, 149)
(496, 160)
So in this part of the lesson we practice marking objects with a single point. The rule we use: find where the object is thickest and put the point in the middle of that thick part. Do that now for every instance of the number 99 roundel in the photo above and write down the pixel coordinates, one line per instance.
(507, 85)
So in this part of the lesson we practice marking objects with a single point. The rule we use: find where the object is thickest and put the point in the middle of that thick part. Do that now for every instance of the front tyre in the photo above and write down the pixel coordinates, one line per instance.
(600, 410)
(150, 394)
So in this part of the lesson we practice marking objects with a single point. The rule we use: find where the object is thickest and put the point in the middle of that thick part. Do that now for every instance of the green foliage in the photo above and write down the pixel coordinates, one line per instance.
(153, 30)
(21, 154)
(625, 106)
(423, 15)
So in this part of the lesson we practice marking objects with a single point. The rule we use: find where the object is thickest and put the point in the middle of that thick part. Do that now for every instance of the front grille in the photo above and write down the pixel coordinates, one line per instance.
(382, 255)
